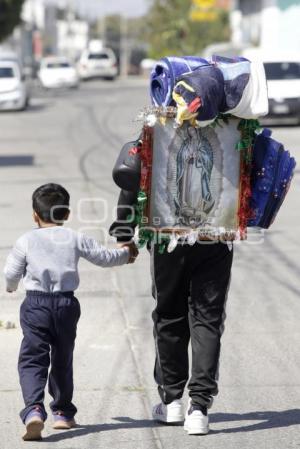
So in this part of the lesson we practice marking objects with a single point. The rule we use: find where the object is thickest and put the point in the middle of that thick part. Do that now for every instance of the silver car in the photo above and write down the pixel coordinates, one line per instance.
(14, 93)
(57, 72)
(101, 64)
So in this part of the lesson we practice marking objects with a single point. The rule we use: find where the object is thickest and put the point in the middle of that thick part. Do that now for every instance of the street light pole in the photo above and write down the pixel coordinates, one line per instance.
(103, 30)
(70, 20)
(123, 46)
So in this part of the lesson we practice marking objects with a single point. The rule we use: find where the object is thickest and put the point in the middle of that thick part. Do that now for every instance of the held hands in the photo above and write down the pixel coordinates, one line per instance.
(133, 251)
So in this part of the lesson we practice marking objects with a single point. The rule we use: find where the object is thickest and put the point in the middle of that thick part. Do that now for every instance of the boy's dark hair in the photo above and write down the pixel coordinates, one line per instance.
(51, 203)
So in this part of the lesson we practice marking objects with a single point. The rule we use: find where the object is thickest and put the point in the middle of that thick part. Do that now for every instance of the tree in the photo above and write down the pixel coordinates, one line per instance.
(136, 46)
(171, 31)
(10, 11)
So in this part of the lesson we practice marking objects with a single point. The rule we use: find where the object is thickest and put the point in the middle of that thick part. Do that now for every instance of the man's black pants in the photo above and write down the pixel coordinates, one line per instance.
(190, 286)
(49, 322)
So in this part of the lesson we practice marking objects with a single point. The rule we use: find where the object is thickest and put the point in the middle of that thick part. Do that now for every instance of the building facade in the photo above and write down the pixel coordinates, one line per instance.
(269, 24)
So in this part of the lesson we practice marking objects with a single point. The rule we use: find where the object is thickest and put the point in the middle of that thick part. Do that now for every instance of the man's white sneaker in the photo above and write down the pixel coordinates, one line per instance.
(196, 422)
(168, 413)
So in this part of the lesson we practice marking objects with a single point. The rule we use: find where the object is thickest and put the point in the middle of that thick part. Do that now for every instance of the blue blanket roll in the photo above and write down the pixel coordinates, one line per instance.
(165, 74)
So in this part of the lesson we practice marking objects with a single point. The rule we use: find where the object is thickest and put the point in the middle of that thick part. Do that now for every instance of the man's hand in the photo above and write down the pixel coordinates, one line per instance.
(133, 251)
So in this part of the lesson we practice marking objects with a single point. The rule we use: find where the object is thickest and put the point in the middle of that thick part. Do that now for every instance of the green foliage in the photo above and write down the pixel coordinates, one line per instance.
(170, 30)
(134, 31)
(113, 27)
(10, 11)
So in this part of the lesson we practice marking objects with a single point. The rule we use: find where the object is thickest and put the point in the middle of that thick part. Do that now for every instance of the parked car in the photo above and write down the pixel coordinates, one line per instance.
(14, 93)
(283, 78)
(101, 64)
(57, 72)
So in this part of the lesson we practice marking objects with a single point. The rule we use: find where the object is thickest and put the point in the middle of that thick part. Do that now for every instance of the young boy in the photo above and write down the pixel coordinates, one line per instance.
(47, 259)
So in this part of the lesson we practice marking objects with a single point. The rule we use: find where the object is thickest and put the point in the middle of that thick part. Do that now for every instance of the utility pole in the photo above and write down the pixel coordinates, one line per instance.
(100, 29)
(103, 29)
(124, 50)
(70, 33)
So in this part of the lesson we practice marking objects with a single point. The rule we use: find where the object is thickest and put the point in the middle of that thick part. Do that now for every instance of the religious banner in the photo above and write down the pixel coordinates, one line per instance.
(195, 178)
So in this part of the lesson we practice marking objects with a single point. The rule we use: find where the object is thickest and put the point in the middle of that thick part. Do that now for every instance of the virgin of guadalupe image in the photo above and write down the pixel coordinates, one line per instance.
(195, 160)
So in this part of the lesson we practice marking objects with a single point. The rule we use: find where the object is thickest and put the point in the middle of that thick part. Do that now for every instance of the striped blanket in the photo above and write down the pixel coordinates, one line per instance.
(165, 75)
(202, 89)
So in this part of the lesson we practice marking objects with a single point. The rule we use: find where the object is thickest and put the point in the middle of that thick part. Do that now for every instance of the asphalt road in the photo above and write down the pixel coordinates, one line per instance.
(74, 138)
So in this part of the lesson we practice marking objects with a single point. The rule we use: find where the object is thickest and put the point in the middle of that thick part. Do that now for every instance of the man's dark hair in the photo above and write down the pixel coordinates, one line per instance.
(51, 203)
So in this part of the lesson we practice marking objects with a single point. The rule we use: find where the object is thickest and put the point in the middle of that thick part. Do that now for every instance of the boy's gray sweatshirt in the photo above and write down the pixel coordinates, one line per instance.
(47, 259)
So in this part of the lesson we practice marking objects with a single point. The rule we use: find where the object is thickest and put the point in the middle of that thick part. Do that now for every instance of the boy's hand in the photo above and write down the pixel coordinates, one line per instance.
(133, 251)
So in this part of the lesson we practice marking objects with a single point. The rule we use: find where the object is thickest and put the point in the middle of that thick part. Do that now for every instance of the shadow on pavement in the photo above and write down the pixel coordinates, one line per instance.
(279, 125)
(268, 420)
(37, 107)
(124, 423)
(16, 160)
(31, 108)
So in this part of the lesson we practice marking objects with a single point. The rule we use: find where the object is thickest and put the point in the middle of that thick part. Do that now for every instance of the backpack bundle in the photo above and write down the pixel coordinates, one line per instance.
(171, 178)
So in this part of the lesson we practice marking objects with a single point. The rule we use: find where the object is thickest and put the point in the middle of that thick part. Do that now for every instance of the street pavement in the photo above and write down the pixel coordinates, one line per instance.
(74, 138)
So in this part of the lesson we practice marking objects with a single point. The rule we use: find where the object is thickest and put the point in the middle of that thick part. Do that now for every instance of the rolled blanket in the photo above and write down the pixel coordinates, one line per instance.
(200, 95)
(229, 86)
(166, 73)
(236, 75)
(245, 87)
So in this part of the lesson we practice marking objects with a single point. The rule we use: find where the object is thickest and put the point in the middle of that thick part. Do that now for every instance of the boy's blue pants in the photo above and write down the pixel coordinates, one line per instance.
(49, 322)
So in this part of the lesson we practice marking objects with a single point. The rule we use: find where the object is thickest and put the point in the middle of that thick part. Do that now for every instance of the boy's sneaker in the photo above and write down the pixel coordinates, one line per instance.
(62, 422)
(196, 420)
(168, 413)
(34, 425)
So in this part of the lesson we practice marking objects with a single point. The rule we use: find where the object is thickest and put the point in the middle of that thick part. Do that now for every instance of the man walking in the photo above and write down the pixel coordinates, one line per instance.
(190, 288)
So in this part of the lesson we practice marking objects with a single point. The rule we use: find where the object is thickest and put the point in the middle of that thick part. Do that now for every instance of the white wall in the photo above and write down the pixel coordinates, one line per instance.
(275, 26)
(72, 37)
(245, 22)
(280, 27)
(289, 29)
(33, 12)
(269, 23)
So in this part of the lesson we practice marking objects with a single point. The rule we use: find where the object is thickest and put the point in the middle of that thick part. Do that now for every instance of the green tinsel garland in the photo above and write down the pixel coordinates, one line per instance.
(248, 130)
(147, 235)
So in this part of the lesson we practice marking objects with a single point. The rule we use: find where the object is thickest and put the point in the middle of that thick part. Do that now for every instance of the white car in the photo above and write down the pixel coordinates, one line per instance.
(57, 72)
(98, 64)
(14, 94)
(283, 78)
